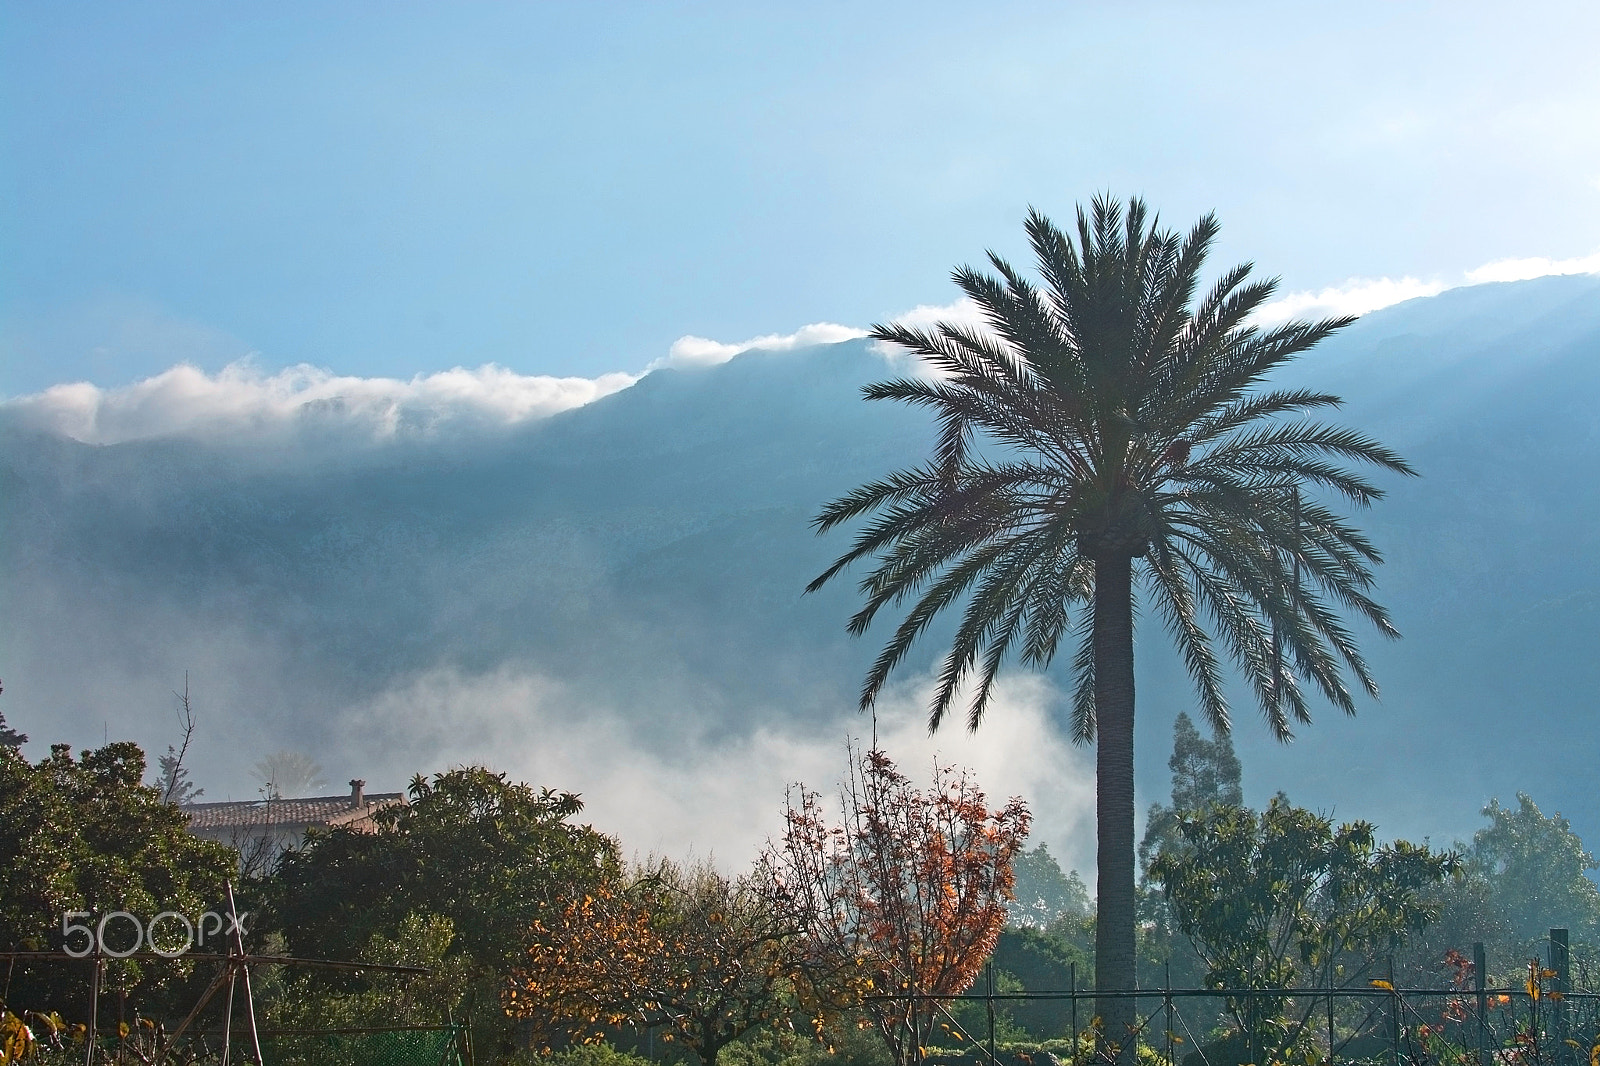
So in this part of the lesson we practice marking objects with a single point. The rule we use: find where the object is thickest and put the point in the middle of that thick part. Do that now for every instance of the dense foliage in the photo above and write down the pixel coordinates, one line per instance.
(702, 956)
(1284, 898)
(1523, 874)
(482, 880)
(489, 855)
(1043, 893)
(86, 835)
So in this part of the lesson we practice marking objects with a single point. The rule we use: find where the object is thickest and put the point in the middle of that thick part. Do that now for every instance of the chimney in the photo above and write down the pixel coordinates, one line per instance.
(357, 792)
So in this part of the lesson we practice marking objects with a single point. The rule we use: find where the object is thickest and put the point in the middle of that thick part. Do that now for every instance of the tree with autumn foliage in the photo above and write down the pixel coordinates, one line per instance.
(903, 901)
(706, 956)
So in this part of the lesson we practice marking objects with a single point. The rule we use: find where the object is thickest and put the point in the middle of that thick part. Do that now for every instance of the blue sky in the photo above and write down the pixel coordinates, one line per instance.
(387, 190)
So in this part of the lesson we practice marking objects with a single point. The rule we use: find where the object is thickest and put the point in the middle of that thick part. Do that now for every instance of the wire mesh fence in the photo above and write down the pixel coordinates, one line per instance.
(372, 1046)
(409, 1046)
(1380, 1026)
(1544, 1018)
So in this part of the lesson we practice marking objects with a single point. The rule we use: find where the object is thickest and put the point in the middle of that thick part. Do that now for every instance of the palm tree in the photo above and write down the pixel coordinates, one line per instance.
(1105, 434)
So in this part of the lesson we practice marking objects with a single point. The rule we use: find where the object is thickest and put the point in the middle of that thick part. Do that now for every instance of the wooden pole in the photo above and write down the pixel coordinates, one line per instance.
(227, 1019)
(244, 968)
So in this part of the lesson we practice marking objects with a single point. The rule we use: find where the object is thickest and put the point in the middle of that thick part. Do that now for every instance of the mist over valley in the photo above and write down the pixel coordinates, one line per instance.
(608, 598)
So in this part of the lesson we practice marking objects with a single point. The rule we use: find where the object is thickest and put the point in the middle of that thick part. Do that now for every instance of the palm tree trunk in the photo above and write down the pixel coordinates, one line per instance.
(1113, 697)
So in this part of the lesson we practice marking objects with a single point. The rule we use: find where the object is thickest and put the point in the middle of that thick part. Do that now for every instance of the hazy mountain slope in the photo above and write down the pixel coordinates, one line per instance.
(640, 560)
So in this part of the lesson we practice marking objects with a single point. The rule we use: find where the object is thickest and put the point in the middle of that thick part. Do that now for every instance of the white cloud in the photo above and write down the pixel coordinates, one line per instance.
(963, 312)
(242, 400)
(1356, 296)
(711, 794)
(1533, 267)
(691, 351)
(925, 316)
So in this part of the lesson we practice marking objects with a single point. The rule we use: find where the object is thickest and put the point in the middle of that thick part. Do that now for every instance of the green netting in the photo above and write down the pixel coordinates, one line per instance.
(396, 1047)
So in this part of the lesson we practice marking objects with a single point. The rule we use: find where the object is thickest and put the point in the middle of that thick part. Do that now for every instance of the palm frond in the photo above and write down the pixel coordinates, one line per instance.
(1106, 407)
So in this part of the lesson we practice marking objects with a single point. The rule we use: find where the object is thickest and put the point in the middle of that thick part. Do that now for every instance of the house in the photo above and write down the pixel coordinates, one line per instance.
(264, 829)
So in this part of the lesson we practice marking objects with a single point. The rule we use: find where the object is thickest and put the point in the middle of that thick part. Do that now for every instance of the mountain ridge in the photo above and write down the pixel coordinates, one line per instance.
(644, 555)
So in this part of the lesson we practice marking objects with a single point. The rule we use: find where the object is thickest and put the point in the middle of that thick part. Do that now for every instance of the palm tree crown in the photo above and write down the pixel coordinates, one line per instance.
(1127, 424)
(1105, 434)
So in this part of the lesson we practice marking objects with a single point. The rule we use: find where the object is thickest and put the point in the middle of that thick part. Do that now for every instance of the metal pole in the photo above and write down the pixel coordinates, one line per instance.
(1480, 978)
(1561, 963)
(1167, 996)
(1332, 1040)
(989, 1004)
(1072, 978)
(1394, 1013)
(94, 1008)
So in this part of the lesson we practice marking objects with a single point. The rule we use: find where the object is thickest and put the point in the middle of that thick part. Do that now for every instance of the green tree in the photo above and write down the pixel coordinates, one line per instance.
(297, 1002)
(1285, 898)
(1522, 875)
(10, 738)
(1205, 774)
(1044, 893)
(1536, 870)
(1039, 961)
(1105, 433)
(1203, 771)
(173, 780)
(489, 855)
(88, 835)
(288, 774)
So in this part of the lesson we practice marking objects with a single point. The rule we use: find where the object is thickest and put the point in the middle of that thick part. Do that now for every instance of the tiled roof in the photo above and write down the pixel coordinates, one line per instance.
(286, 813)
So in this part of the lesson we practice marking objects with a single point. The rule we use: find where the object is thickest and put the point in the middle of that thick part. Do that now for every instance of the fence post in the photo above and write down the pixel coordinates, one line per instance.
(1332, 1040)
(1072, 978)
(94, 1006)
(989, 1003)
(1394, 1013)
(1168, 997)
(1480, 968)
(1561, 963)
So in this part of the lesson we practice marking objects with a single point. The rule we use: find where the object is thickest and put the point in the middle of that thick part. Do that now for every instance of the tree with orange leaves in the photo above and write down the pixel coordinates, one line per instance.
(908, 893)
(706, 956)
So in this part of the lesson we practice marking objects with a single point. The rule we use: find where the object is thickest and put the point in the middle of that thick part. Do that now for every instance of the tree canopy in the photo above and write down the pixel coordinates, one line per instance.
(490, 855)
(708, 957)
(88, 835)
(1284, 897)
